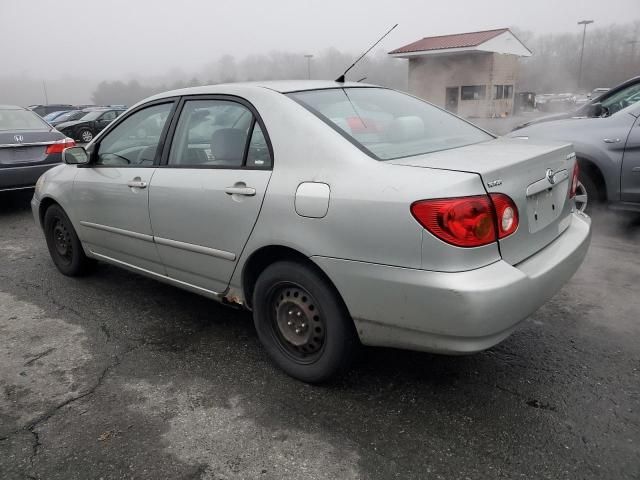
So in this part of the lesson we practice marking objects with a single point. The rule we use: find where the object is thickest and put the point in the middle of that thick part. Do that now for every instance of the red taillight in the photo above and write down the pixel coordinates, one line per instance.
(59, 146)
(574, 180)
(468, 221)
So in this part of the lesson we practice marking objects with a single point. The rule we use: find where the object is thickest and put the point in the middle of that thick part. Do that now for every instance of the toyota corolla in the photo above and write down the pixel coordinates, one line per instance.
(340, 214)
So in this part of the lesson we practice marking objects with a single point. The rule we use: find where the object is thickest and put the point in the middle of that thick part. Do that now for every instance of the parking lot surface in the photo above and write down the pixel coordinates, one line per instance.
(118, 376)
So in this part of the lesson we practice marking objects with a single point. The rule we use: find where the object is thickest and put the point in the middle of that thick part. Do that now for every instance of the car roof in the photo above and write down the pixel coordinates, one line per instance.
(11, 107)
(282, 86)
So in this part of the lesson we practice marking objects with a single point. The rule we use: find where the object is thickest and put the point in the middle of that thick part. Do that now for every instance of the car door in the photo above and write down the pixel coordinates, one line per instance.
(630, 172)
(206, 196)
(111, 193)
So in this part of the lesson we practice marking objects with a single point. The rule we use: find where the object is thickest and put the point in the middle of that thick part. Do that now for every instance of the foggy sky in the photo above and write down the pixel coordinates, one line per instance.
(113, 39)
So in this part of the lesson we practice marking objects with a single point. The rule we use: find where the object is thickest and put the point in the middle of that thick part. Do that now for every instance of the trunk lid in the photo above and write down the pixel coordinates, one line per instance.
(25, 147)
(521, 169)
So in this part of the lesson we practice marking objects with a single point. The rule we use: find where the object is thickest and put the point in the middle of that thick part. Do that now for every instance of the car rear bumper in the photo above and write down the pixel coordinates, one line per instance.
(460, 312)
(22, 177)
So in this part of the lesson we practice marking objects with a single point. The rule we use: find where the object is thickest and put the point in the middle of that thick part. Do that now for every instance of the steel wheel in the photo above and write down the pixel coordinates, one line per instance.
(581, 197)
(297, 323)
(86, 136)
(63, 243)
(62, 240)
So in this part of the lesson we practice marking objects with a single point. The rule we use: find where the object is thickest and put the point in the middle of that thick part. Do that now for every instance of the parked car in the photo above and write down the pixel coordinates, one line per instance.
(339, 213)
(70, 116)
(50, 116)
(28, 147)
(90, 124)
(607, 144)
(592, 95)
(43, 110)
(588, 110)
(554, 102)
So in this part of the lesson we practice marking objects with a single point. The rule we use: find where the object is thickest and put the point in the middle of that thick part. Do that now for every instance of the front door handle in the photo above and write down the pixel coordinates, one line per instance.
(246, 191)
(610, 140)
(137, 183)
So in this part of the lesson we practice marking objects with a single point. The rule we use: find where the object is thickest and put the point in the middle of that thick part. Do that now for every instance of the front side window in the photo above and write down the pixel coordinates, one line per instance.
(211, 133)
(473, 92)
(387, 124)
(108, 116)
(134, 142)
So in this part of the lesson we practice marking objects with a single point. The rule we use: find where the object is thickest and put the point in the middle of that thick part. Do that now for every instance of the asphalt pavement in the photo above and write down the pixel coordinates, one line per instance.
(115, 376)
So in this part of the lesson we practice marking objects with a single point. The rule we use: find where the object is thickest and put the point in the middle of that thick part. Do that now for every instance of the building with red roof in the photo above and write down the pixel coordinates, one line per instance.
(471, 74)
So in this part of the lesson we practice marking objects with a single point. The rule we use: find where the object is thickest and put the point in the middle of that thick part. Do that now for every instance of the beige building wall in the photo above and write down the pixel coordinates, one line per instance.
(429, 77)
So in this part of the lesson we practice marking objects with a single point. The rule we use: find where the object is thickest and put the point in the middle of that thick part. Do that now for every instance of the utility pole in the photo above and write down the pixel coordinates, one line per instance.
(44, 88)
(632, 58)
(308, 56)
(584, 34)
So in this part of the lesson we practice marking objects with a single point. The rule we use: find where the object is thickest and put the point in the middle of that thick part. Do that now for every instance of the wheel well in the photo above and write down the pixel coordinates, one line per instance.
(594, 173)
(45, 203)
(265, 256)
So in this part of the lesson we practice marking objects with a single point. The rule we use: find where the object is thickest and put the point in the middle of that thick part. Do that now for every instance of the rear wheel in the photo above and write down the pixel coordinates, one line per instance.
(85, 135)
(63, 243)
(302, 323)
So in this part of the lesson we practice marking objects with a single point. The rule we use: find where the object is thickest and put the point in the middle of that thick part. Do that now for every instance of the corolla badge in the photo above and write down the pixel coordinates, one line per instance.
(550, 176)
(18, 138)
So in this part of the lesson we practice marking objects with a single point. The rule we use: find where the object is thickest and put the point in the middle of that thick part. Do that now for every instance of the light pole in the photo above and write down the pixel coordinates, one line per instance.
(584, 34)
(632, 56)
(308, 56)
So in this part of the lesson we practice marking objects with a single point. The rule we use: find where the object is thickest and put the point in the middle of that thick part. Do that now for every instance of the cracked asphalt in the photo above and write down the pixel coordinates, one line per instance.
(115, 376)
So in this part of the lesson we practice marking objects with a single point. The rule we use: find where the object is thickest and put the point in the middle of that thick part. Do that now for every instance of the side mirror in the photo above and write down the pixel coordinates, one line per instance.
(595, 110)
(75, 156)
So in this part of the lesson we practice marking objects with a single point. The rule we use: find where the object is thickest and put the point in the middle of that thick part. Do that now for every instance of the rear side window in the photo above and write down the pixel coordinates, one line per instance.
(387, 124)
(218, 133)
(21, 120)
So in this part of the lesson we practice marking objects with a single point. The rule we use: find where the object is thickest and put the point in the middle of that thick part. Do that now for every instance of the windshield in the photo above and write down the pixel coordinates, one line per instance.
(388, 124)
(70, 116)
(624, 98)
(21, 120)
(93, 115)
(52, 115)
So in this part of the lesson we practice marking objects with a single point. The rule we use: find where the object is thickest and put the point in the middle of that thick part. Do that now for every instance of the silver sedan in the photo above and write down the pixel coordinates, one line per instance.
(341, 214)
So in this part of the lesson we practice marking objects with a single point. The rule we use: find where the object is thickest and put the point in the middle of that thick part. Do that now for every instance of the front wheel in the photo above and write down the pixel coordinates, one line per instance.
(63, 243)
(586, 194)
(85, 135)
(302, 322)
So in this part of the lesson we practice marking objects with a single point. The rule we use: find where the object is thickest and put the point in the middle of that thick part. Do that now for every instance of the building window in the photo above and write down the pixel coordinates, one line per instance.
(473, 92)
(508, 91)
(502, 91)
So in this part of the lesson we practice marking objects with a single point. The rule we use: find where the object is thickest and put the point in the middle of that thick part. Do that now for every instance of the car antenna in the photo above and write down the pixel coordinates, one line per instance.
(340, 79)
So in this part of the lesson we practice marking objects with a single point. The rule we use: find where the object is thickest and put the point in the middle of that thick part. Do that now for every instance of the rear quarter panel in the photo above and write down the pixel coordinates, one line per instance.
(369, 217)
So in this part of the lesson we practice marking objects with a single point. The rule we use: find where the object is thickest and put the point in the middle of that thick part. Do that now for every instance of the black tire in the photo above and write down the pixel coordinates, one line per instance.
(85, 135)
(63, 243)
(328, 343)
(588, 187)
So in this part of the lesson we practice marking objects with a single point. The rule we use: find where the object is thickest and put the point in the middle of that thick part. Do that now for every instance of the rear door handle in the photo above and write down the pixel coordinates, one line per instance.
(610, 140)
(137, 184)
(246, 191)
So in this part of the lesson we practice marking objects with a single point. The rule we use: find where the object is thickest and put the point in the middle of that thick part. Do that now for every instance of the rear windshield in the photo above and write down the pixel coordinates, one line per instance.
(388, 124)
(21, 120)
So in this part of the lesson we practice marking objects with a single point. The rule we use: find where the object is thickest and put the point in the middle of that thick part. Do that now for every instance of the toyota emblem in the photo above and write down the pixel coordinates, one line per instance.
(550, 176)
(18, 138)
